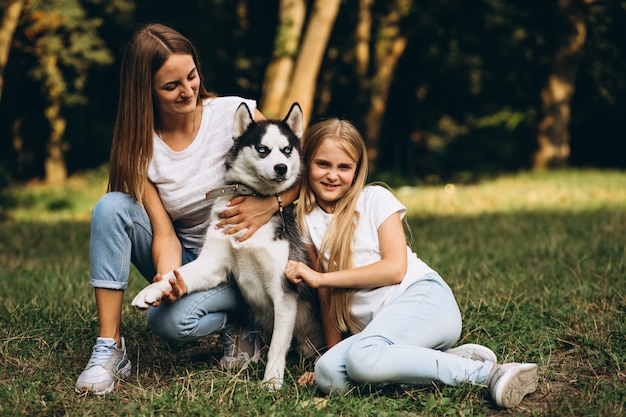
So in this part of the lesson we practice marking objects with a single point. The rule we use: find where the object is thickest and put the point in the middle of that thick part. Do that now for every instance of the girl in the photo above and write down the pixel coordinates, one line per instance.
(401, 315)
(170, 140)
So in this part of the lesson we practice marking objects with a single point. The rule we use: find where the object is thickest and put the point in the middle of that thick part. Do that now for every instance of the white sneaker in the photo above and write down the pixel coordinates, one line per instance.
(240, 348)
(510, 382)
(108, 362)
(474, 352)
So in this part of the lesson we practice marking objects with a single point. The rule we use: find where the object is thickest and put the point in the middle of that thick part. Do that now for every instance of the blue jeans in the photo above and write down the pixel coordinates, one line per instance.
(121, 234)
(403, 344)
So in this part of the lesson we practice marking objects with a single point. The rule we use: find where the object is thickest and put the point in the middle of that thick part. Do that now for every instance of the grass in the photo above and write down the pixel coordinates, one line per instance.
(536, 260)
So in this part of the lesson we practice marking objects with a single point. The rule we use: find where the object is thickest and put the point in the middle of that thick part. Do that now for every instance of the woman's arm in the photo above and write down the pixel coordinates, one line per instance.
(388, 271)
(254, 212)
(166, 247)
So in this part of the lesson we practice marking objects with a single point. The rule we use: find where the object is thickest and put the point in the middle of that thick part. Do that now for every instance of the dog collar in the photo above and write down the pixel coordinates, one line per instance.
(232, 189)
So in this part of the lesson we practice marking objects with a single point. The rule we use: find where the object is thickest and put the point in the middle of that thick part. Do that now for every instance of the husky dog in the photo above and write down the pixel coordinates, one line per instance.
(264, 160)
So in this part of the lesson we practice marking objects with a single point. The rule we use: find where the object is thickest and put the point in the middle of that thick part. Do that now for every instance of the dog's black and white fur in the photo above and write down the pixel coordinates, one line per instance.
(265, 157)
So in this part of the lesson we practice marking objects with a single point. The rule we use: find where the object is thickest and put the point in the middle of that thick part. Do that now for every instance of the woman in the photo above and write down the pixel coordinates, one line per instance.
(169, 143)
(400, 315)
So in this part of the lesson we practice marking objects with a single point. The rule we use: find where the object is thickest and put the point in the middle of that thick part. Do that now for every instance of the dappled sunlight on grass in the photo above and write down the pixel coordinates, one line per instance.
(553, 191)
(568, 190)
(72, 201)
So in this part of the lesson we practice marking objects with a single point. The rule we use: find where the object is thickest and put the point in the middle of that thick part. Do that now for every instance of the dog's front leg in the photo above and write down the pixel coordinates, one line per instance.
(206, 271)
(285, 310)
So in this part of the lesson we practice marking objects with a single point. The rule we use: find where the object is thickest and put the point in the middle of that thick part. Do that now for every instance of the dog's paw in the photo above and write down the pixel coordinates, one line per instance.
(148, 296)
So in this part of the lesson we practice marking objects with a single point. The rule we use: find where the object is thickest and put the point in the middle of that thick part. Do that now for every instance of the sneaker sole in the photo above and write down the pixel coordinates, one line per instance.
(122, 373)
(237, 364)
(513, 386)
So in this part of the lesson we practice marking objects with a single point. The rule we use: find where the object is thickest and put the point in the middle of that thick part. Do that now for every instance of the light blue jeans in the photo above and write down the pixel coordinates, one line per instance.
(403, 344)
(121, 234)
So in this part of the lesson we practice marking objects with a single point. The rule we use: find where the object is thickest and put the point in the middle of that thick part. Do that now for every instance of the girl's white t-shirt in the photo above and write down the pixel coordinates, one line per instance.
(375, 205)
(183, 178)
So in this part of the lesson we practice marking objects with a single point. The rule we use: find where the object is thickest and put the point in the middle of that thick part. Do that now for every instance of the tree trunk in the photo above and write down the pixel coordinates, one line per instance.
(311, 53)
(363, 36)
(553, 135)
(279, 72)
(10, 19)
(55, 168)
(390, 45)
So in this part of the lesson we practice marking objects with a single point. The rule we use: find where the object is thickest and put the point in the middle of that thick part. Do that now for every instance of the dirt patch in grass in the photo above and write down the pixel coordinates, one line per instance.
(568, 379)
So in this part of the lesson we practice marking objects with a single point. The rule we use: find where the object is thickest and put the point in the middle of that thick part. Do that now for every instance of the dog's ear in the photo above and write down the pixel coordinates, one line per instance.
(294, 119)
(243, 120)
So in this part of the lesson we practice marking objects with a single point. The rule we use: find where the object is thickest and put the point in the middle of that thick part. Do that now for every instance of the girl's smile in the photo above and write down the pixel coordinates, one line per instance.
(331, 173)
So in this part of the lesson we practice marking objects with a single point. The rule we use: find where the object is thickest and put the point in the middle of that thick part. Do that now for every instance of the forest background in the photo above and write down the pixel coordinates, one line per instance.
(443, 91)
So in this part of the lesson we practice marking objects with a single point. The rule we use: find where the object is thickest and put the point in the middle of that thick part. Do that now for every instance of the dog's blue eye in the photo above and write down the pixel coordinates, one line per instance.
(263, 151)
(287, 150)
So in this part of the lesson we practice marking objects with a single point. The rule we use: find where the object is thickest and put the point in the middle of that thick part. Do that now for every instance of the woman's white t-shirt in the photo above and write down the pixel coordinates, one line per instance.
(375, 205)
(183, 178)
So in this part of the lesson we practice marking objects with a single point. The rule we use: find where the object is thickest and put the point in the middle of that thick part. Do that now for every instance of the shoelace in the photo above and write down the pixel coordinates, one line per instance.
(102, 353)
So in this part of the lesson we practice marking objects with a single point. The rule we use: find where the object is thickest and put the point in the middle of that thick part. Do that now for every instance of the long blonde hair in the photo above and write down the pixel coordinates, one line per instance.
(337, 241)
(131, 149)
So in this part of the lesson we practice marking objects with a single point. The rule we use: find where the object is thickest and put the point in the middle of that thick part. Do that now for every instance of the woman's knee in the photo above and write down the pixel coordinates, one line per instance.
(113, 202)
(110, 208)
(167, 326)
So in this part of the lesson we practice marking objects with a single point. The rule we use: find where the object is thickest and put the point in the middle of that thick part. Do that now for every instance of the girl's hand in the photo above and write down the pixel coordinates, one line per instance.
(178, 288)
(298, 272)
(308, 378)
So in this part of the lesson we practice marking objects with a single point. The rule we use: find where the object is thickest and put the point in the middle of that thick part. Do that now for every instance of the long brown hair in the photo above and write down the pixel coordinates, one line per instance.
(337, 241)
(131, 149)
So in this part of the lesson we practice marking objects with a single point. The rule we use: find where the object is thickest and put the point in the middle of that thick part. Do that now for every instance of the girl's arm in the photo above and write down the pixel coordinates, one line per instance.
(388, 271)
(331, 334)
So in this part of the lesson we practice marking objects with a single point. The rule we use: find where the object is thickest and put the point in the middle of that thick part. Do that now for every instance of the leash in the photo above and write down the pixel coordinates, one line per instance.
(241, 189)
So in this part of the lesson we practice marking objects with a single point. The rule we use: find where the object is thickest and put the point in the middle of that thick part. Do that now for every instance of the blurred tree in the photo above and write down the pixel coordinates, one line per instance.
(597, 123)
(464, 94)
(389, 44)
(302, 80)
(291, 16)
(553, 134)
(10, 18)
(64, 45)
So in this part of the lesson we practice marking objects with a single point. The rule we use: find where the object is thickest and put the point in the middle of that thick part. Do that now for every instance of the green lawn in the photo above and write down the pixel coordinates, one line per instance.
(537, 262)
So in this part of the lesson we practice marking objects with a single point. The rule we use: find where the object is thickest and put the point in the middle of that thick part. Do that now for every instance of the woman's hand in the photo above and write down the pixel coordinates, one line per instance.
(247, 213)
(178, 288)
(298, 272)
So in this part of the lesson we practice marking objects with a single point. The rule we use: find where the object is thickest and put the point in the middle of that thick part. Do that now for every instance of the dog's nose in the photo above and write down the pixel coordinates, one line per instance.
(280, 169)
